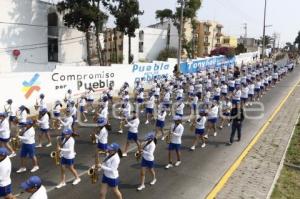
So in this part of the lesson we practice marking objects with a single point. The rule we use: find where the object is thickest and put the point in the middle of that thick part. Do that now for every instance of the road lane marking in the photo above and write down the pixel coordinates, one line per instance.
(218, 187)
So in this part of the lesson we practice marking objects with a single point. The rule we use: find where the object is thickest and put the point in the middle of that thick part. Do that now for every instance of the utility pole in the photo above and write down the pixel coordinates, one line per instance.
(264, 31)
(245, 34)
(182, 2)
(245, 29)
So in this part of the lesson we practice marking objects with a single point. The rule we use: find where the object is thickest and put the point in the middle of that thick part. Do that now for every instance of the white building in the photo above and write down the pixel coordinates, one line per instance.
(147, 44)
(35, 29)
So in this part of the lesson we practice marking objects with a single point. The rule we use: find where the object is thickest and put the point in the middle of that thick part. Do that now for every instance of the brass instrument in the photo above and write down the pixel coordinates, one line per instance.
(55, 155)
(93, 171)
(36, 106)
(138, 155)
(15, 143)
(168, 138)
(93, 138)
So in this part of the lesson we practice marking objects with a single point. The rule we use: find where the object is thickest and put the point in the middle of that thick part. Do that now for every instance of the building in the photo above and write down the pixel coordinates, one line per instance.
(229, 41)
(113, 46)
(208, 37)
(145, 46)
(34, 30)
(251, 44)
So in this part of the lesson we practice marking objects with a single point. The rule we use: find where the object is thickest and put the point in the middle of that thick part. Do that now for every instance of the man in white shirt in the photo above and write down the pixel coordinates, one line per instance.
(132, 135)
(176, 133)
(34, 186)
(5, 171)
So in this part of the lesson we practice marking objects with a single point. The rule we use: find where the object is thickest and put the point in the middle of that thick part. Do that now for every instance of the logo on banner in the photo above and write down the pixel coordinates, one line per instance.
(30, 86)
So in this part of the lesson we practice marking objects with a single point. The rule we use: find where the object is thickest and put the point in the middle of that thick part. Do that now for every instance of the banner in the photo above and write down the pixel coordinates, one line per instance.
(201, 64)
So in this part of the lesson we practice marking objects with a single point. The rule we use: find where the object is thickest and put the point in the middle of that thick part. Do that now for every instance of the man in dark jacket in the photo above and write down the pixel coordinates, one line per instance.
(237, 117)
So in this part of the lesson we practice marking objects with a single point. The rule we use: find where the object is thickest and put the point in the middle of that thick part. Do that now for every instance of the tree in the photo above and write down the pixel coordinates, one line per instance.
(79, 14)
(126, 13)
(240, 49)
(167, 53)
(162, 15)
(267, 40)
(297, 40)
(99, 21)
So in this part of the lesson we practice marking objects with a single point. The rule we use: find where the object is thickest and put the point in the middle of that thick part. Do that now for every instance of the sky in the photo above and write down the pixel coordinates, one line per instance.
(282, 15)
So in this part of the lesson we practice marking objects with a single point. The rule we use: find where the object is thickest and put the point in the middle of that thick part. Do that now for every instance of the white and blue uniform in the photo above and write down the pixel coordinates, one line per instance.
(148, 155)
(200, 125)
(44, 123)
(110, 170)
(160, 122)
(28, 143)
(68, 151)
(176, 135)
(5, 180)
(133, 129)
(102, 139)
(4, 130)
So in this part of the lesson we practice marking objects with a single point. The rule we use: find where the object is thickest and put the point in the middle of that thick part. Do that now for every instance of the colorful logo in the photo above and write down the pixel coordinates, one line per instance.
(30, 86)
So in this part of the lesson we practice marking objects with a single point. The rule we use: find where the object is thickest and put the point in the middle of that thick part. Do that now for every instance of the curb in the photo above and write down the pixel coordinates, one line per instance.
(282, 161)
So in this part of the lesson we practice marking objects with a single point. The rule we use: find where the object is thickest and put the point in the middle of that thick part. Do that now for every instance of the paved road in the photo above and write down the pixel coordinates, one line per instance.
(199, 172)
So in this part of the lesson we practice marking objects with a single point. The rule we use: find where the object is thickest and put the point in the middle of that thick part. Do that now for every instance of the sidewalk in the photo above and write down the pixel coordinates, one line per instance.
(255, 175)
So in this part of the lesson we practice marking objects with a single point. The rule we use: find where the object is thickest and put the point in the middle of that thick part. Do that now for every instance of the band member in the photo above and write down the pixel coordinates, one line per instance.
(217, 93)
(148, 160)
(176, 133)
(102, 136)
(5, 172)
(90, 99)
(67, 149)
(194, 104)
(132, 135)
(244, 94)
(11, 111)
(140, 99)
(110, 171)
(224, 89)
(212, 119)
(150, 107)
(257, 89)
(5, 134)
(67, 122)
(124, 114)
(56, 114)
(179, 108)
(236, 95)
(41, 104)
(68, 97)
(82, 107)
(110, 93)
(34, 186)
(251, 92)
(200, 122)
(44, 128)
(27, 138)
(225, 109)
(22, 117)
(160, 123)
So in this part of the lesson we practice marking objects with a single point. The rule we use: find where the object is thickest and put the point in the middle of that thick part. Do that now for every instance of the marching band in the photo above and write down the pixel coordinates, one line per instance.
(213, 97)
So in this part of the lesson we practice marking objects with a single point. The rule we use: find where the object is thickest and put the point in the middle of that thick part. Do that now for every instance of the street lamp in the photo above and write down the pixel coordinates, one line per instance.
(181, 2)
